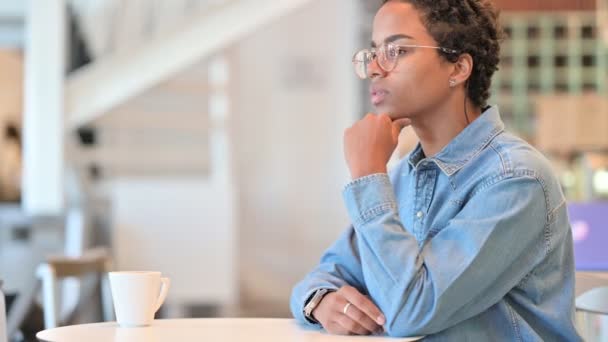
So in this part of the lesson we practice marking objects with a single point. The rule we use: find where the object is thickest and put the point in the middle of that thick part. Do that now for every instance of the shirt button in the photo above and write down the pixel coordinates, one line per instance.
(420, 215)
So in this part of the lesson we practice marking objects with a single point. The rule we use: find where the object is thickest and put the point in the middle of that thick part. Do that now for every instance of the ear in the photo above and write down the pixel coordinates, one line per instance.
(463, 68)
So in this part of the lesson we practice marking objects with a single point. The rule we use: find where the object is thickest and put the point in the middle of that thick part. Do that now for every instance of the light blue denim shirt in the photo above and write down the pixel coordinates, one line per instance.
(473, 244)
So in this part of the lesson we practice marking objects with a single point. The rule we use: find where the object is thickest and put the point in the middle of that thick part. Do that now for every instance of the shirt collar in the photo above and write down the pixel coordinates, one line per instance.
(466, 145)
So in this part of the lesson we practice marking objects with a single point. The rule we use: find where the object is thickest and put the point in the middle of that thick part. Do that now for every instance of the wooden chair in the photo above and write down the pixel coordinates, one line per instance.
(93, 262)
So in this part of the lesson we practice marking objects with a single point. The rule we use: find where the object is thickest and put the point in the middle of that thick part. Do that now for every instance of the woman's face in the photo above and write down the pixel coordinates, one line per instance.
(420, 81)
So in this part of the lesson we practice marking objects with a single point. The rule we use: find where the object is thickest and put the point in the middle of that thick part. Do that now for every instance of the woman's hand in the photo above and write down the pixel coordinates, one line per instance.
(369, 143)
(348, 312)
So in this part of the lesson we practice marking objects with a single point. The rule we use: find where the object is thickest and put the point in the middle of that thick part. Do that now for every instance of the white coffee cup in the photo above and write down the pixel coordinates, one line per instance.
(137, 296)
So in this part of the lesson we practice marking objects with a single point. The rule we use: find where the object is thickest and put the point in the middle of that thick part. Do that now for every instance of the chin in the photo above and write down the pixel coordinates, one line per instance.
(393, 112)
(383, 108)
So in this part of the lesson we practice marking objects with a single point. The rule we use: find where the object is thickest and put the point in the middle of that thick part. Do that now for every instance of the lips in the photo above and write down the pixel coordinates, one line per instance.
(377, 94)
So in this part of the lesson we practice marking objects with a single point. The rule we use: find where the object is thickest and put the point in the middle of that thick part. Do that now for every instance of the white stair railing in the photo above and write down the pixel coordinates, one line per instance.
(95, 89)
(43, 121)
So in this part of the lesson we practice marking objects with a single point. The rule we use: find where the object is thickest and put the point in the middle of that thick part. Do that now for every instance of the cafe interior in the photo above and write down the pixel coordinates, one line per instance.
(203, 139)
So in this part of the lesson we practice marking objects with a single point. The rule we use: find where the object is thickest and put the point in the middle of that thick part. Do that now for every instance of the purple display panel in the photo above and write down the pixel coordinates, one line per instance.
(590, 231)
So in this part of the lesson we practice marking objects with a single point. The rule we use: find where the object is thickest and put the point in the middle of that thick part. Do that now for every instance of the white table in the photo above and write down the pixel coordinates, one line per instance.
(203, 329)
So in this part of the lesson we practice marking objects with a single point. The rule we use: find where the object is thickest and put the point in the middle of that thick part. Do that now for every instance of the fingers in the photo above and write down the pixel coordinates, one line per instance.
(401, 123)
(336, 329)
(363, 303)
(395, 130)
(340, 323)
(351, 326)
(348, 312)
(362, 319)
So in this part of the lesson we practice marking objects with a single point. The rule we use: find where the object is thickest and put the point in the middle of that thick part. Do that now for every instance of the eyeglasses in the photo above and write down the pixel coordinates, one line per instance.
(387, 56)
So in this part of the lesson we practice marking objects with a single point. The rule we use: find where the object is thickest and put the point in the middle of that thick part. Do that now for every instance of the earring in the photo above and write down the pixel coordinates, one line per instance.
(452, 83)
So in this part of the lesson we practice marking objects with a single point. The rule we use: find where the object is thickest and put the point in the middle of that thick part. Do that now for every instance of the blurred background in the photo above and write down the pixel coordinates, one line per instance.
(203, 139)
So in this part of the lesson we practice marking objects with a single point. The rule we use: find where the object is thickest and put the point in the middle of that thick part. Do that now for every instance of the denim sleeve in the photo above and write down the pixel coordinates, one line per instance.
(473, 262)
(340, 265)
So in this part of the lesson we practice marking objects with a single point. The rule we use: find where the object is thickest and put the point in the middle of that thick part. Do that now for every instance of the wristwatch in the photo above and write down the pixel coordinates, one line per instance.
(312, 304)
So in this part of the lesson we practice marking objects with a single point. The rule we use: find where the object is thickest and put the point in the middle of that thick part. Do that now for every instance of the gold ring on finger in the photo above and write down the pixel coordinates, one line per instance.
(346, 307)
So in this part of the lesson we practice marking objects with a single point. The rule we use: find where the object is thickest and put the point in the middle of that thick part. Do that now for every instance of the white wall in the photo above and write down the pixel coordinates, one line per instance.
(181, 227)
(295, 94)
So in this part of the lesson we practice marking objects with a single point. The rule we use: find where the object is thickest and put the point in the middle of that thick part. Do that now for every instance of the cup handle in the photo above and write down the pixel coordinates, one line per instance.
(164, 289)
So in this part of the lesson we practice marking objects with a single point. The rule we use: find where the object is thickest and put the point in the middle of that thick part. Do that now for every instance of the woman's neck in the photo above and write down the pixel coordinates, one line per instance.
(437, 128)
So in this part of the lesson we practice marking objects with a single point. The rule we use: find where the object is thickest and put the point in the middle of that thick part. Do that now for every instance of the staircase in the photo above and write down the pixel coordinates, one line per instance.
(125, 72)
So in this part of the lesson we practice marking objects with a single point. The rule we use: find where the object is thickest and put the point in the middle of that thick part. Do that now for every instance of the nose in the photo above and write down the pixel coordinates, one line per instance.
(374, 70)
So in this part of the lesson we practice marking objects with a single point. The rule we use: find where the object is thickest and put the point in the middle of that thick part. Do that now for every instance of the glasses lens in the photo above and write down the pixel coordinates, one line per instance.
(360, 61)
(387, 57)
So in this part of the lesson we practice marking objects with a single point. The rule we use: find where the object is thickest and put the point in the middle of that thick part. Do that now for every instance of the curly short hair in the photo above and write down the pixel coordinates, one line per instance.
(468, 26)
